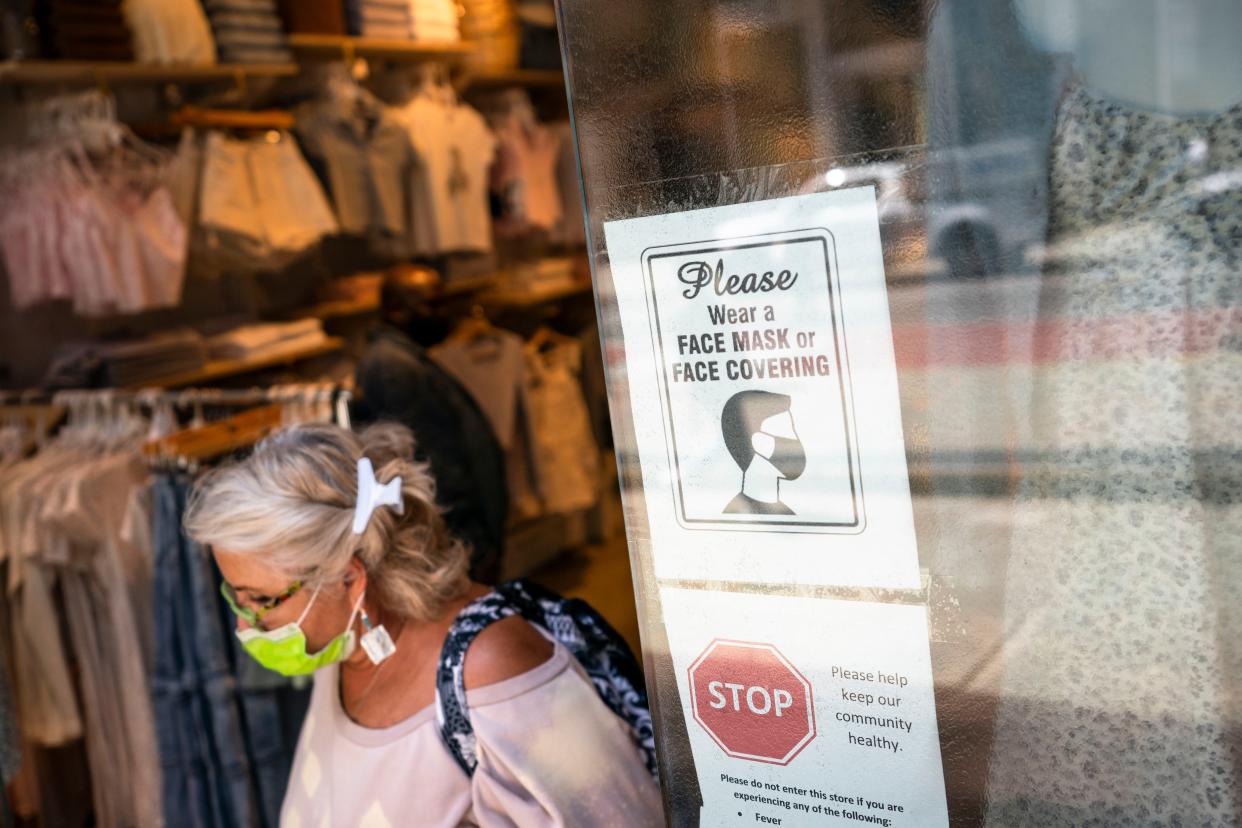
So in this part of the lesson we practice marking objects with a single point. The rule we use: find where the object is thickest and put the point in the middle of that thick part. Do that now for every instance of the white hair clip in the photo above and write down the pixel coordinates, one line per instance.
(372, 494)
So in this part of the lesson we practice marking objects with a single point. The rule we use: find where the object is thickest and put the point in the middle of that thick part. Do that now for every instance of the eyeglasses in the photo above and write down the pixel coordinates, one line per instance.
(254, 616)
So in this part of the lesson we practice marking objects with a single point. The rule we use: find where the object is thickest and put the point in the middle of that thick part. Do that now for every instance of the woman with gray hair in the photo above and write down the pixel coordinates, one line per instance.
(337, 562)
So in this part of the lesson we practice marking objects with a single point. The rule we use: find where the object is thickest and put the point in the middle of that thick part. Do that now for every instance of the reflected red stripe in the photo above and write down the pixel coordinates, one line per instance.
(1110, 338)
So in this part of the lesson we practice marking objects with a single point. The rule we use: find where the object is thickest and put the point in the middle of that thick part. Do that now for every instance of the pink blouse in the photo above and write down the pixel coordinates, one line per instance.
(550, 753)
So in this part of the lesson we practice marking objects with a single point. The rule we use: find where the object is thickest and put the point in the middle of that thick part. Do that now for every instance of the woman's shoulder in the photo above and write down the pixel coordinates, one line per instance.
(504, 650)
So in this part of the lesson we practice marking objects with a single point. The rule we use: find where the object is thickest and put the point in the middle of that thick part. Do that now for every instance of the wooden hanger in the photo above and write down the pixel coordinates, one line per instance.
(33, 416)
(38, 421)
(237, 120)
(197, 116)
(470, 329)
(475, 326)
(546, 337)
(219, 438)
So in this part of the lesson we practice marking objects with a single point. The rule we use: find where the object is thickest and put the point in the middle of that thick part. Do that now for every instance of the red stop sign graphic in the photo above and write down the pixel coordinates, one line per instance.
(752, 701)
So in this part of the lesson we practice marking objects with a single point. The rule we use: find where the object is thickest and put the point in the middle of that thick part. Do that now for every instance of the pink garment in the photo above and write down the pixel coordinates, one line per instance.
(106, 239)
(130, 272)
(151, 243)
(20, 243)
(87, 246)
(550, 754)
(37, 273)
(525, 174)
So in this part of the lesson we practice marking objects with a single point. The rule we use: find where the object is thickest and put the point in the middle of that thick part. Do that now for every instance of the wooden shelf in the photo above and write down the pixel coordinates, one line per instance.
(221, 368)
(334, 310)
(333, 47)
(120, 72)
(462, 287)
(527, 78)
(520, 299)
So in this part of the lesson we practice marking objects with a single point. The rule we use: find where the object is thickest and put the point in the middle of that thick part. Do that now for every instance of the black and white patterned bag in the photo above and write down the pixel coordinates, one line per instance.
(602, 652)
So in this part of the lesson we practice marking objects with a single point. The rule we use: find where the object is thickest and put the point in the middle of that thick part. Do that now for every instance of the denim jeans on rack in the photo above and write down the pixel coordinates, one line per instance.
(188, 775)
(227, 727)
(207, 780)
(273, 708)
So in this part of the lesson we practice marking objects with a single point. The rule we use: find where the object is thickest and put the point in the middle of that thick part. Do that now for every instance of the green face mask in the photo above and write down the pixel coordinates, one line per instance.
(284, 648)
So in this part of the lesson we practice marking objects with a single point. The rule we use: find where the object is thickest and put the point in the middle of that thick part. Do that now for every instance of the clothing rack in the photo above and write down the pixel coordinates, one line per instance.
(207, 118)
(152, 398)
(180, 397)
(237, 120)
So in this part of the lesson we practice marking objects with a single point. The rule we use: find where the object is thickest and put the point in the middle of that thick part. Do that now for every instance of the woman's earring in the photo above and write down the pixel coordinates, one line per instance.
(376, 641)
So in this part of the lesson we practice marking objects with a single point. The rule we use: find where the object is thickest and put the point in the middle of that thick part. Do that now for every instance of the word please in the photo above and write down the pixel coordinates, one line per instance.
(698, 275)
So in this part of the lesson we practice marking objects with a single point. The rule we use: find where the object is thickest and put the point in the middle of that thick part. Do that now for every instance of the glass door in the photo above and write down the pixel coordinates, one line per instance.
(922, 330)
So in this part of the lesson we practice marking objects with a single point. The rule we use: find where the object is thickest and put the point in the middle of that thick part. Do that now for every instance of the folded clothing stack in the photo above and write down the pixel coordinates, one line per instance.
(540, 47)
(129, 364)
(431, 21)
(158, 356)
(353, 17)
(170, 31)
(248, 31)
(269, 339)
(434, 21)
(547, 274)
(365, 288)
(388, 19)
(315, 16)
(492, 29)
(89, 30)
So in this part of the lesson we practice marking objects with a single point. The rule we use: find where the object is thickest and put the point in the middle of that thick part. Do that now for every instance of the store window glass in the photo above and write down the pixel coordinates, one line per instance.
(1054, 188)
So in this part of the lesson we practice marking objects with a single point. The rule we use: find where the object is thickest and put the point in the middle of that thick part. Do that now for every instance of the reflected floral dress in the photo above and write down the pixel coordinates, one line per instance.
(1120, 697)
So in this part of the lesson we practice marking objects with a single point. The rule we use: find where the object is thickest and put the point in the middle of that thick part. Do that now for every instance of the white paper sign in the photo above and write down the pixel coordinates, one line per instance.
(806, 711)
(760, 361)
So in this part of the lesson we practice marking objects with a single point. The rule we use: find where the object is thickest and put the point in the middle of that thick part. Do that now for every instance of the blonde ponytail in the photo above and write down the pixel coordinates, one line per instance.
(291, 503)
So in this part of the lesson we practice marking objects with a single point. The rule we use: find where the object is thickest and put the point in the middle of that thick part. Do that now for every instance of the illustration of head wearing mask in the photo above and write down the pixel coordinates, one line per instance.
(759, 432)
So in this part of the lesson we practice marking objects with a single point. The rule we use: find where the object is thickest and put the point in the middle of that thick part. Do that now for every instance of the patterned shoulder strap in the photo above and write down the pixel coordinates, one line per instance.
(598, 648)
(452, 715)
